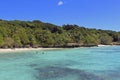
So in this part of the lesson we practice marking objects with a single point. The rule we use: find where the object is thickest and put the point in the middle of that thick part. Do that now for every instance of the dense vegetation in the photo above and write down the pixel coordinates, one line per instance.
(36, 33)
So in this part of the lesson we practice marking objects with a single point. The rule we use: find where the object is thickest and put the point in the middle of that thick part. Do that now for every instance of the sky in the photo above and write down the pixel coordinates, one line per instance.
(100, 14)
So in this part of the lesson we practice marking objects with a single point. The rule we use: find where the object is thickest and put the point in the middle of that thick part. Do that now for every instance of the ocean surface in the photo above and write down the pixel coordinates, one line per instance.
(95, 63)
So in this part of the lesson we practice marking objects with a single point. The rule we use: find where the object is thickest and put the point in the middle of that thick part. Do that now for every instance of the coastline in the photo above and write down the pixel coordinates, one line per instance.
(25, 49)
(6, 50)
(41, 48)
(106, 45)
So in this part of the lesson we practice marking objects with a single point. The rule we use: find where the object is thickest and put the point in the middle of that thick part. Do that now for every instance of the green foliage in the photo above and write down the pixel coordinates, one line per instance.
(106, 39)
(1, 41)
(21, 33)
(8, 42)
(17, 41)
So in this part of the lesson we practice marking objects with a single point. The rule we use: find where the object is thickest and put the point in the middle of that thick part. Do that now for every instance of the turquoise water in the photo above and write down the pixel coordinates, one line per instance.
(97, 63)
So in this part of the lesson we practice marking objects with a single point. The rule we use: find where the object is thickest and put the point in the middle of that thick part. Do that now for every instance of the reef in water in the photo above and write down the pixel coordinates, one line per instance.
(55, 73)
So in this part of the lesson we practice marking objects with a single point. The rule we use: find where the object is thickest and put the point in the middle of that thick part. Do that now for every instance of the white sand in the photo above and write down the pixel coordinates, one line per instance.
(100, 45)
(26, 49)
(105, 45)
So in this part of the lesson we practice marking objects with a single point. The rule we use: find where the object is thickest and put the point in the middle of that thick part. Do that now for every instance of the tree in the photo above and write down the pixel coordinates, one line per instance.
(17, 41)
(1, 41)
(8, 42)
(106, 39)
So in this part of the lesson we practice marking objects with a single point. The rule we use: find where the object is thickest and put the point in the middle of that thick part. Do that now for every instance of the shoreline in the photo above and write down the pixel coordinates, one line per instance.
(32, 49)
(106, 45)
(25, 49)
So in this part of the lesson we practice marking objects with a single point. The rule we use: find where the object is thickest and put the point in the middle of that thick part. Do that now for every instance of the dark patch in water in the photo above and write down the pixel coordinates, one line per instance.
(51, 73)
(33, 65)
(113, 74)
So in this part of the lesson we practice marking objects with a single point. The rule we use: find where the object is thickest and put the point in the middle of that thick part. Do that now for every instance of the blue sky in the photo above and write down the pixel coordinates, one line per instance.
(100, 14)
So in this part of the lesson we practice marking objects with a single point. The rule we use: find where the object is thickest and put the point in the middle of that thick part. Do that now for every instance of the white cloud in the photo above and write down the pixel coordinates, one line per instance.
(60, 3)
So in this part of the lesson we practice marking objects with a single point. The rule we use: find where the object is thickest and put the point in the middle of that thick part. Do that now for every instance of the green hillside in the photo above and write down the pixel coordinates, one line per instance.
(39, 34)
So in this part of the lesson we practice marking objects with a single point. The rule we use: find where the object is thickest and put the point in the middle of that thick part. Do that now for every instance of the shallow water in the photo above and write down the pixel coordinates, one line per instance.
(97, 63)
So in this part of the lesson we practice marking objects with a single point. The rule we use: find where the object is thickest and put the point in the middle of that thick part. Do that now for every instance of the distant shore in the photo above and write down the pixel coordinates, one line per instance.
(106, 45)
(51, 48)
(25, 49)
(29, 48)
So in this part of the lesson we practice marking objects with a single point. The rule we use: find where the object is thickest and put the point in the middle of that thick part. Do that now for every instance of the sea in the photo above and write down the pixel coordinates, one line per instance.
(91, 63)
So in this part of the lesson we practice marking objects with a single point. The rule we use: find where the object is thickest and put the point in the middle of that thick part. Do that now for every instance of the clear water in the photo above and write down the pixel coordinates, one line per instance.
(97, 63)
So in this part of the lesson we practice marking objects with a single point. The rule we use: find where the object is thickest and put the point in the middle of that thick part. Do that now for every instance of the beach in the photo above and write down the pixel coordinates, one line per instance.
(26, 49)
(32, 49)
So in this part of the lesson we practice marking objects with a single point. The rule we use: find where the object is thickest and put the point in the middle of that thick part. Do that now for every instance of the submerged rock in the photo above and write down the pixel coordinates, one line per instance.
(51, 73)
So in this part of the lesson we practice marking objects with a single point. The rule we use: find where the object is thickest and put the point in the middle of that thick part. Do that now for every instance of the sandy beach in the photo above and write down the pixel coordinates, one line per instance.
(106, 45)
(26, 49)
(31, 49)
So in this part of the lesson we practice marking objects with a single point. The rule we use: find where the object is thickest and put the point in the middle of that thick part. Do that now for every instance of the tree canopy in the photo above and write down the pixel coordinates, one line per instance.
(37, 33)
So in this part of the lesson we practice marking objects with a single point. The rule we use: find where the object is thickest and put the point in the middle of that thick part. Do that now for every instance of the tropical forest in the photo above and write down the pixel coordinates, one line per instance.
(17, 34)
